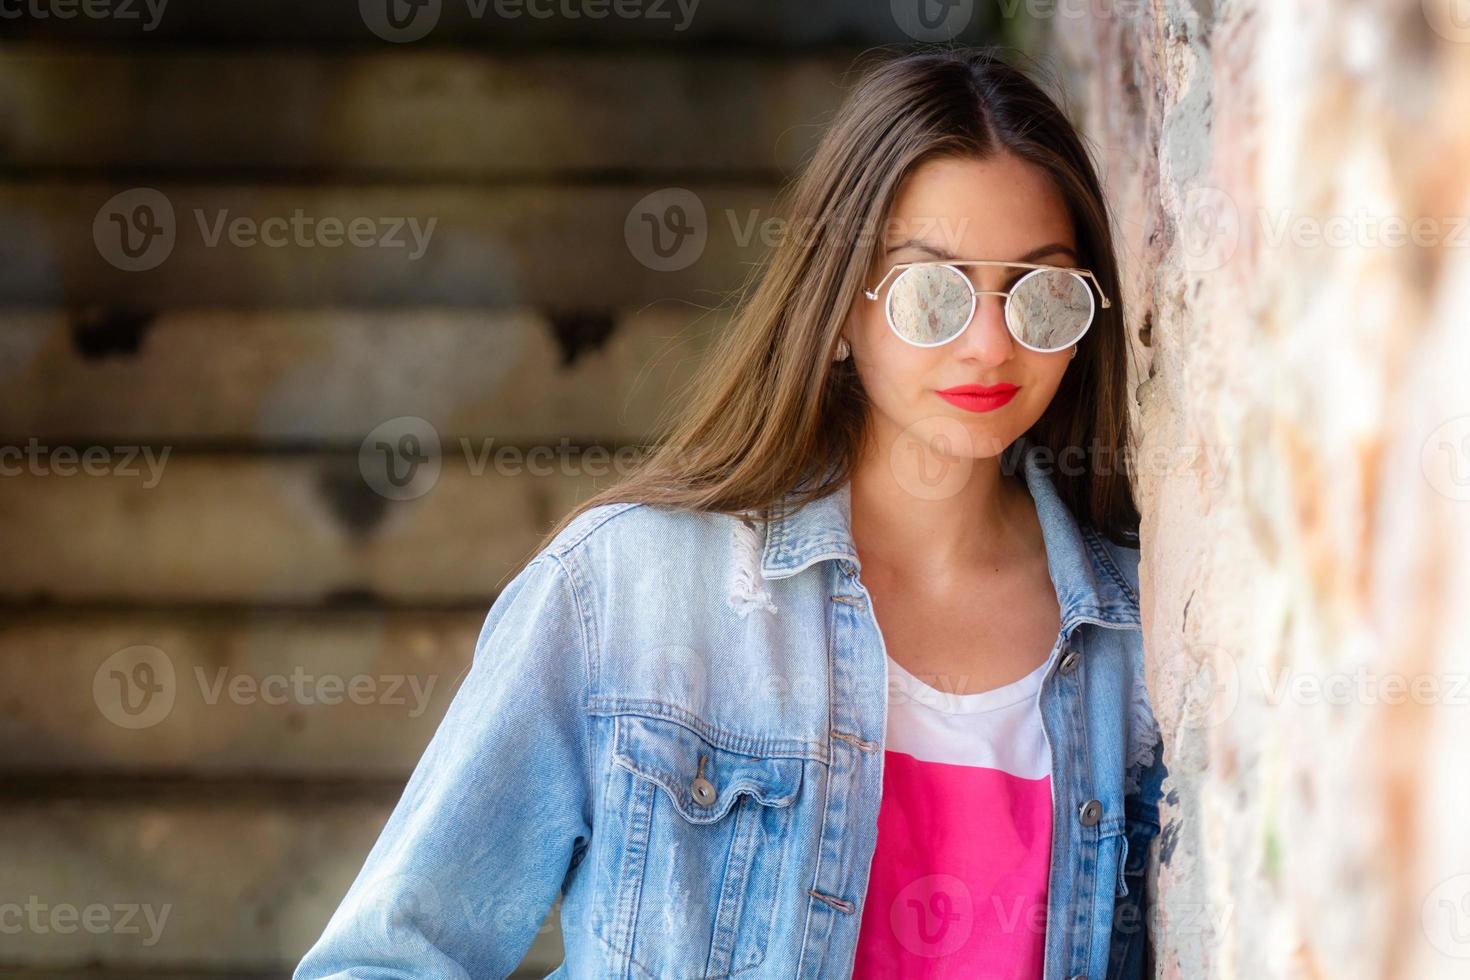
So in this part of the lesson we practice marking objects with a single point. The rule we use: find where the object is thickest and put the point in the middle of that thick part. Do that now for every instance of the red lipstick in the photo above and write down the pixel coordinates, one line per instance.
(978, 398)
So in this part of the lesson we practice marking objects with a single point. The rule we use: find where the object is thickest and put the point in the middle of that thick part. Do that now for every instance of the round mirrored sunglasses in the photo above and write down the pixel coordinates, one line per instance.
(931, 303)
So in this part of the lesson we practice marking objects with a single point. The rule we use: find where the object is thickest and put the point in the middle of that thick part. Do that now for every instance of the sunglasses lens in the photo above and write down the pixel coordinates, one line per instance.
(1049, 309)
(930, 304)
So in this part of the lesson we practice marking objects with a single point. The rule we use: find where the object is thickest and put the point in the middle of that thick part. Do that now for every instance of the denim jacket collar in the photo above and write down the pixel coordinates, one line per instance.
(1089, 585)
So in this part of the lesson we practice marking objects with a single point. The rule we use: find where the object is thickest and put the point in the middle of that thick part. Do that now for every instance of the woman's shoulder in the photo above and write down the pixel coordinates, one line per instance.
(640, 538)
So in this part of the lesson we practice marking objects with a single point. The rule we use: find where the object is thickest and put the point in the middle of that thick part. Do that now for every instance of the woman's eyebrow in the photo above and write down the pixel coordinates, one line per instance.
(943, 253)
(1051, 249)
(923, 246)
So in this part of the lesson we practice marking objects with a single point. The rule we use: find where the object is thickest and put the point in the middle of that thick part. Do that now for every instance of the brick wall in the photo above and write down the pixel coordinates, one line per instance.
(1292, 182)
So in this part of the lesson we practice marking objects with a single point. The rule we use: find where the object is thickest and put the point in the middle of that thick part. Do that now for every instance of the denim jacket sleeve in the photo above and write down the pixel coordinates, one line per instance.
(495, 813)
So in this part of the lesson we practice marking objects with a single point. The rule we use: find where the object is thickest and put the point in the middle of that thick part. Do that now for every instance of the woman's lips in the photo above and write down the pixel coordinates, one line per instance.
(978, 398)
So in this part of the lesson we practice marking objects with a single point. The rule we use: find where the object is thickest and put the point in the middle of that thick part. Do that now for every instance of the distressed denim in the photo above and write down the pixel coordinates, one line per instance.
(675, 722)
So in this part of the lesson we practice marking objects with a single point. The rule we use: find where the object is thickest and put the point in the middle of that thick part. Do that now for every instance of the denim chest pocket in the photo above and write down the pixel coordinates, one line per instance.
(703, 833)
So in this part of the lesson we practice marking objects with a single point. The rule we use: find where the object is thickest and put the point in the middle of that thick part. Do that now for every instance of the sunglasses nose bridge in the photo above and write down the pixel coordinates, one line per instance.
(967, 334)
(1004, 295)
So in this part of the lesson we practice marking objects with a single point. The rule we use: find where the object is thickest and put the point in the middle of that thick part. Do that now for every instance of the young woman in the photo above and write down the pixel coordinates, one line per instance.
(846, 680)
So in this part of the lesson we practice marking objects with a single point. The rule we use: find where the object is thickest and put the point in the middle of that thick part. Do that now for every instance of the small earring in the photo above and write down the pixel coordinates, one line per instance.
(844, 350)
(1074, 354)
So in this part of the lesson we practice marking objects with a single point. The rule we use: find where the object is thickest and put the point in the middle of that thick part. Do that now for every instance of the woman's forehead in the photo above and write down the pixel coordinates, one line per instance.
(1001, 207)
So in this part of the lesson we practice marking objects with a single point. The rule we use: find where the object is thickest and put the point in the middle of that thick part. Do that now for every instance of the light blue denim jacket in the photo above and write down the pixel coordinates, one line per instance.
(675, 721)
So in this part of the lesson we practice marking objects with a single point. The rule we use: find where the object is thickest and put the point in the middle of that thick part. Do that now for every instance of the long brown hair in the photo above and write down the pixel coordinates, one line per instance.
(771, 408)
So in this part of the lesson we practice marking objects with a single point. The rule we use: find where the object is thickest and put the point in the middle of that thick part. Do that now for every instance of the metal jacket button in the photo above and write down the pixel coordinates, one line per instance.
(702, 789)
(1091, 812)
(1069, 661)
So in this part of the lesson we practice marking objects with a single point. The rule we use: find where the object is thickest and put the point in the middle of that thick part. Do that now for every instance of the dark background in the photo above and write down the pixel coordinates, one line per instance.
(173, 637)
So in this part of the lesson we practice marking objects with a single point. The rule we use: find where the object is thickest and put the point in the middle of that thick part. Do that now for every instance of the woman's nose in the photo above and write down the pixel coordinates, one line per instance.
(987, 339)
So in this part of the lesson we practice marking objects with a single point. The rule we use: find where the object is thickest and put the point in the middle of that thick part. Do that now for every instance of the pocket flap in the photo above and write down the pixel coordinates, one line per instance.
(669, 754)
(1133, 854)
(1140, 836)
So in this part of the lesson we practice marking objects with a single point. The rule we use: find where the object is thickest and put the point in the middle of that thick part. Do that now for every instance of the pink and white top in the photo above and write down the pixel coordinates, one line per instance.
(959, 876)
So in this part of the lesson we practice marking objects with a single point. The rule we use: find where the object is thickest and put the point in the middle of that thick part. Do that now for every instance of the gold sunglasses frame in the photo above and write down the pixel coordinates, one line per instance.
(901, 267)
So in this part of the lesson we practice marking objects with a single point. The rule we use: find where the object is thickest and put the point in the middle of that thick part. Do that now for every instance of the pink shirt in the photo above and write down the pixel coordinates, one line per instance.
(959, 875)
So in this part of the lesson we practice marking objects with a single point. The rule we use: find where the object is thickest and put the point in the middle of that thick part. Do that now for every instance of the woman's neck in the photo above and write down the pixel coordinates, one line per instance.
(919, 514)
